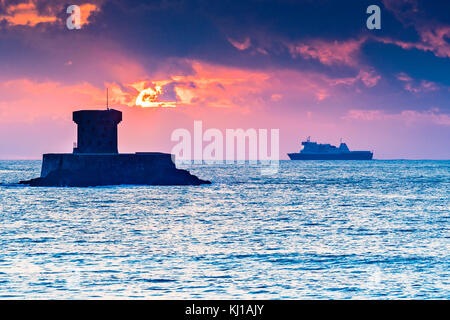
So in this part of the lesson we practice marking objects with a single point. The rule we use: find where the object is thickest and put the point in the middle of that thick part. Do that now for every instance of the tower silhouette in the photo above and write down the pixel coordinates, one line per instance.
(97, 130)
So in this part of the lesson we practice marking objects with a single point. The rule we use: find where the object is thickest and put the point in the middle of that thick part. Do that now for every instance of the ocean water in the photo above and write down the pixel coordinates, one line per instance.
(316, 230)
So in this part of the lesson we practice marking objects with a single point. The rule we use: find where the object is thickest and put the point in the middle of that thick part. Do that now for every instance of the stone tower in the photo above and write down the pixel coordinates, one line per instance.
(97, 130)
(96, 161)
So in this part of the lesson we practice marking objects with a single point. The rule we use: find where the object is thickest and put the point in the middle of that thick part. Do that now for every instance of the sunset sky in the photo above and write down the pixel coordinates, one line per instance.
(308, 68)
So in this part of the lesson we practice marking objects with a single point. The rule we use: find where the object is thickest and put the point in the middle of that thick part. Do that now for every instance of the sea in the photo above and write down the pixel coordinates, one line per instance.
(313, 230)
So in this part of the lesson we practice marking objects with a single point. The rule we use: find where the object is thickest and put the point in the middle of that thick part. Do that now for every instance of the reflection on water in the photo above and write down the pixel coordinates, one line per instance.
(375, 229)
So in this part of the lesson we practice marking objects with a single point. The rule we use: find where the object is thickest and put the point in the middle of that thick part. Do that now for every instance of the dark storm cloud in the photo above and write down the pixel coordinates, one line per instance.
(153, 32)
(203, 30)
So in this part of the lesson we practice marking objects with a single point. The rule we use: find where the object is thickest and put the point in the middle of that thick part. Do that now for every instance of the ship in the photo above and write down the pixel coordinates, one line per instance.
(317, 151)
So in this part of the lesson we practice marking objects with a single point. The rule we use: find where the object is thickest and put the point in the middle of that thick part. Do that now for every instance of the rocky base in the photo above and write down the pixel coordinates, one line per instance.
(89, 170)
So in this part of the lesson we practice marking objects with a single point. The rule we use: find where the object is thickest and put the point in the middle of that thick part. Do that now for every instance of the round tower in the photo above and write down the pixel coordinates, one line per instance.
(97, 131)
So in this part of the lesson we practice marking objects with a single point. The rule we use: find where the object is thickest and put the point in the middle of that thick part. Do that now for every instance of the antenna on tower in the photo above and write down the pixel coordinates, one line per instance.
(107, 100)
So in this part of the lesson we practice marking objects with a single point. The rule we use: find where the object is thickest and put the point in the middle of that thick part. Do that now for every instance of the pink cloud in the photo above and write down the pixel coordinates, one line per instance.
(408, 116)
(276, 97)
(432, 36)
(368, 77)
(432, 39)
(435, 39)
(240, 45)
(423, 86)
(337, 53)
(417, 86)
(404, 77)
(329, 53)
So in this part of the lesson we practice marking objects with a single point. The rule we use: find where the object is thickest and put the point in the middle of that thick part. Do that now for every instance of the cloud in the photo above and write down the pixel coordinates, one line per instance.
(436, 40)
(408, 116)
(206, 86)
(33, 12)
(432, 39)
(25, 14)
(243, 45)
(416, 86)
(87, 9)
(156, 97)
(403, 77)
(368, 77)
(429, 19)
(329, 52)
(243, 90)
(424, 86)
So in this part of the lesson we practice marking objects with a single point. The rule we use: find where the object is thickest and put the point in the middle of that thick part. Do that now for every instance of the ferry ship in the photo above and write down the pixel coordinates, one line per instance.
(317, 151)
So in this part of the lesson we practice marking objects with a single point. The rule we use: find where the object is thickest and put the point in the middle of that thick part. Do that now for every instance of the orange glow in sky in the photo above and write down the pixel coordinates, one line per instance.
(148, 98)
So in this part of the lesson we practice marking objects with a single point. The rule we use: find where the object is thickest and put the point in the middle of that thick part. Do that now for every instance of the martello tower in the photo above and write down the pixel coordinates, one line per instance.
(95, 161)
(97, 130)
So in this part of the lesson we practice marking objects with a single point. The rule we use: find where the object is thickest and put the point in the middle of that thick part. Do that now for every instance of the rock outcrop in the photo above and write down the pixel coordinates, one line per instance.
(86, 170)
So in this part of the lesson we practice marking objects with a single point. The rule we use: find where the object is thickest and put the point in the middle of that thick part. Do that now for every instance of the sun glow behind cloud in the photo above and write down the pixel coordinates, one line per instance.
(148, 98)
(240, 89)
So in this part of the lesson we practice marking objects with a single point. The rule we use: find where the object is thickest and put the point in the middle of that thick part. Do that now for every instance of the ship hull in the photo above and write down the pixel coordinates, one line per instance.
(353, 155)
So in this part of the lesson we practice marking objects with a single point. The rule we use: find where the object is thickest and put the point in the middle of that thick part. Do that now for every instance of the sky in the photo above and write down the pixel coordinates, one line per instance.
(307, 68)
